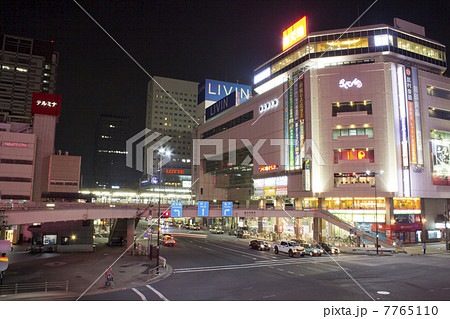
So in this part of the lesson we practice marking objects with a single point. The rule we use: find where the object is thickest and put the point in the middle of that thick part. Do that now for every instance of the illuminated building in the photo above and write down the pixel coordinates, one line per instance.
(171, 112)
(26, 66)
(110, 156)
(336, 114)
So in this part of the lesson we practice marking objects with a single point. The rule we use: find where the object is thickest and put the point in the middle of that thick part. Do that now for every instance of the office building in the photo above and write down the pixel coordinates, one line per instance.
(171, 112)
(111, 171)
(27, 66)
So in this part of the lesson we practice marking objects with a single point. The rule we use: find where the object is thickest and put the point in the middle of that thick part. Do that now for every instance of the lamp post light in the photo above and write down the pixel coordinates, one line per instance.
(376, 202)
(162, 153)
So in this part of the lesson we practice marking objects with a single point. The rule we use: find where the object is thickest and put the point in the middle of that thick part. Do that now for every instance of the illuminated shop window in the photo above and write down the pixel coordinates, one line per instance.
(355, 131)
(406, 203)
(310, 203)
(353, 178)
(352, 106)
(354, 154)
(367, 203)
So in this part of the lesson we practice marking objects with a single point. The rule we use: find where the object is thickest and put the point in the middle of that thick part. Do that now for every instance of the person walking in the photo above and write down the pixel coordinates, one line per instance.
(109, 278)
(424, 248)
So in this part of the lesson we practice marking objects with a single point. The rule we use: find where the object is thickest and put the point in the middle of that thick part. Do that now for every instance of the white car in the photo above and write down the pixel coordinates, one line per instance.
(289, 247)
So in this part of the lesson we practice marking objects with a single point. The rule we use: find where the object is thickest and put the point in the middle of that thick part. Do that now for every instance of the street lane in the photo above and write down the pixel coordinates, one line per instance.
(222, 267)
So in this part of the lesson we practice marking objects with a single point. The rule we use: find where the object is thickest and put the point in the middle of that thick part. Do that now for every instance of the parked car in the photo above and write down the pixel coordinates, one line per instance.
(195, 227)
(291, 248)
(233, 232)
(311, 250)
(259, 244)
(330, 249)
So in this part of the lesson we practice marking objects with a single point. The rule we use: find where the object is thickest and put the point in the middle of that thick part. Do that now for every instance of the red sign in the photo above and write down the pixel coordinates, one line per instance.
(174, 171)
(268, 168)
(47, 104)
(355, 155)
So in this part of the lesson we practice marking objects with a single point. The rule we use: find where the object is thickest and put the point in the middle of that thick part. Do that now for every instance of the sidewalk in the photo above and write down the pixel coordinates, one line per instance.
(411, 249)
(81, 270)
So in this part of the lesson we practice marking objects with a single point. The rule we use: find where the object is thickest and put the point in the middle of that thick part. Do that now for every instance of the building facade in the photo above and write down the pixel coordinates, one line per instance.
(356, 123)
(111, 171)
(27, 66)
(171, 112)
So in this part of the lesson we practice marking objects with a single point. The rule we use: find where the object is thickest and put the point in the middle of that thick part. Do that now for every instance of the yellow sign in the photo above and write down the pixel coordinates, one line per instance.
(269, 191)
(294, 33)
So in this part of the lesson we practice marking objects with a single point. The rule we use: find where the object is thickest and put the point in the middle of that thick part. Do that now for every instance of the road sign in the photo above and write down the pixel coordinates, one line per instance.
(5, 246)
(227, 209)
(203, 209)
(3, 263)
(176, 209)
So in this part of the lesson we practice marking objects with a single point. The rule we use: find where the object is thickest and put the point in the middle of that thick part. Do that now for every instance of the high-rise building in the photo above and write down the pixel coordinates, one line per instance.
(172, 112)
(27, 66)
(110, 158)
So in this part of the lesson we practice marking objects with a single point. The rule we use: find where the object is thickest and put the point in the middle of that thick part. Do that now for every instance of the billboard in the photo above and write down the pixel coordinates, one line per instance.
(47, 104)
(440, 150)
(212, 90)
(220, 106)
(294, 33)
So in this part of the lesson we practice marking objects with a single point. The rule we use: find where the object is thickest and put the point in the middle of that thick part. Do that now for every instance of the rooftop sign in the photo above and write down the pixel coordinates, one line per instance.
(294, 33)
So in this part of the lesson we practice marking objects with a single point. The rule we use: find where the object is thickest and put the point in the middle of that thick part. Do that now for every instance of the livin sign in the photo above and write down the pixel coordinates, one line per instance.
(348, 84)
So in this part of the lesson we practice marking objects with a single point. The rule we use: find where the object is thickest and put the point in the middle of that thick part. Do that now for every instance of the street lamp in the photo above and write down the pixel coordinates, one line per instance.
(376, 202)
(162, 153)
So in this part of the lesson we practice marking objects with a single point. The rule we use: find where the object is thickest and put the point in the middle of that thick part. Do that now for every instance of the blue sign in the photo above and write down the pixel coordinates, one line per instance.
(220, 106)
(203, 209)
(176, 209)
(211, 90)
(227, 209)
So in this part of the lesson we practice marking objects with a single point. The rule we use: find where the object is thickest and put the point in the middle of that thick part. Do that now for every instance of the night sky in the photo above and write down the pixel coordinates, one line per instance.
(189, 40)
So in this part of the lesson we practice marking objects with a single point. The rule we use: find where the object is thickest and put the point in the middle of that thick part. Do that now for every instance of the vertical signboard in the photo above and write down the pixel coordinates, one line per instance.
(417, 116)
(286, 124)
(411, 116)
(291, 124)
(295, 89)
(307, 175)
(203, 209)
(227, 209)
(403, 115)
(176, 209)
(301, 113)
(297, 145)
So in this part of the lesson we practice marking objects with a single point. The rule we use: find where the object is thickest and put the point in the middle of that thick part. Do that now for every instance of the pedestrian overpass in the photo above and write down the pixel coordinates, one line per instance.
(30, 213)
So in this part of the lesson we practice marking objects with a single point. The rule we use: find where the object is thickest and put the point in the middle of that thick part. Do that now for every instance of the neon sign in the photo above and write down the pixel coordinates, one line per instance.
(348, 84)
(268, 168)
(174, 171)
(294, 33)
(268, 105)
(356, 155)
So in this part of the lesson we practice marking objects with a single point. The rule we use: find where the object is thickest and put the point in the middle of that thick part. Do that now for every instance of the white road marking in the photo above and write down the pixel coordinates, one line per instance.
(383, 292)
(140, 294)
(160, 295)
(281, 262)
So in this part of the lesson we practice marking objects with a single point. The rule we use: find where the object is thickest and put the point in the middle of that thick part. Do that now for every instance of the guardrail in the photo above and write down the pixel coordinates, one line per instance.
(14, 289)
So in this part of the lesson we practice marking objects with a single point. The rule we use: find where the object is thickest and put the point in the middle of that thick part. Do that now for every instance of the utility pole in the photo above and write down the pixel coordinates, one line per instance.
(446, 215)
